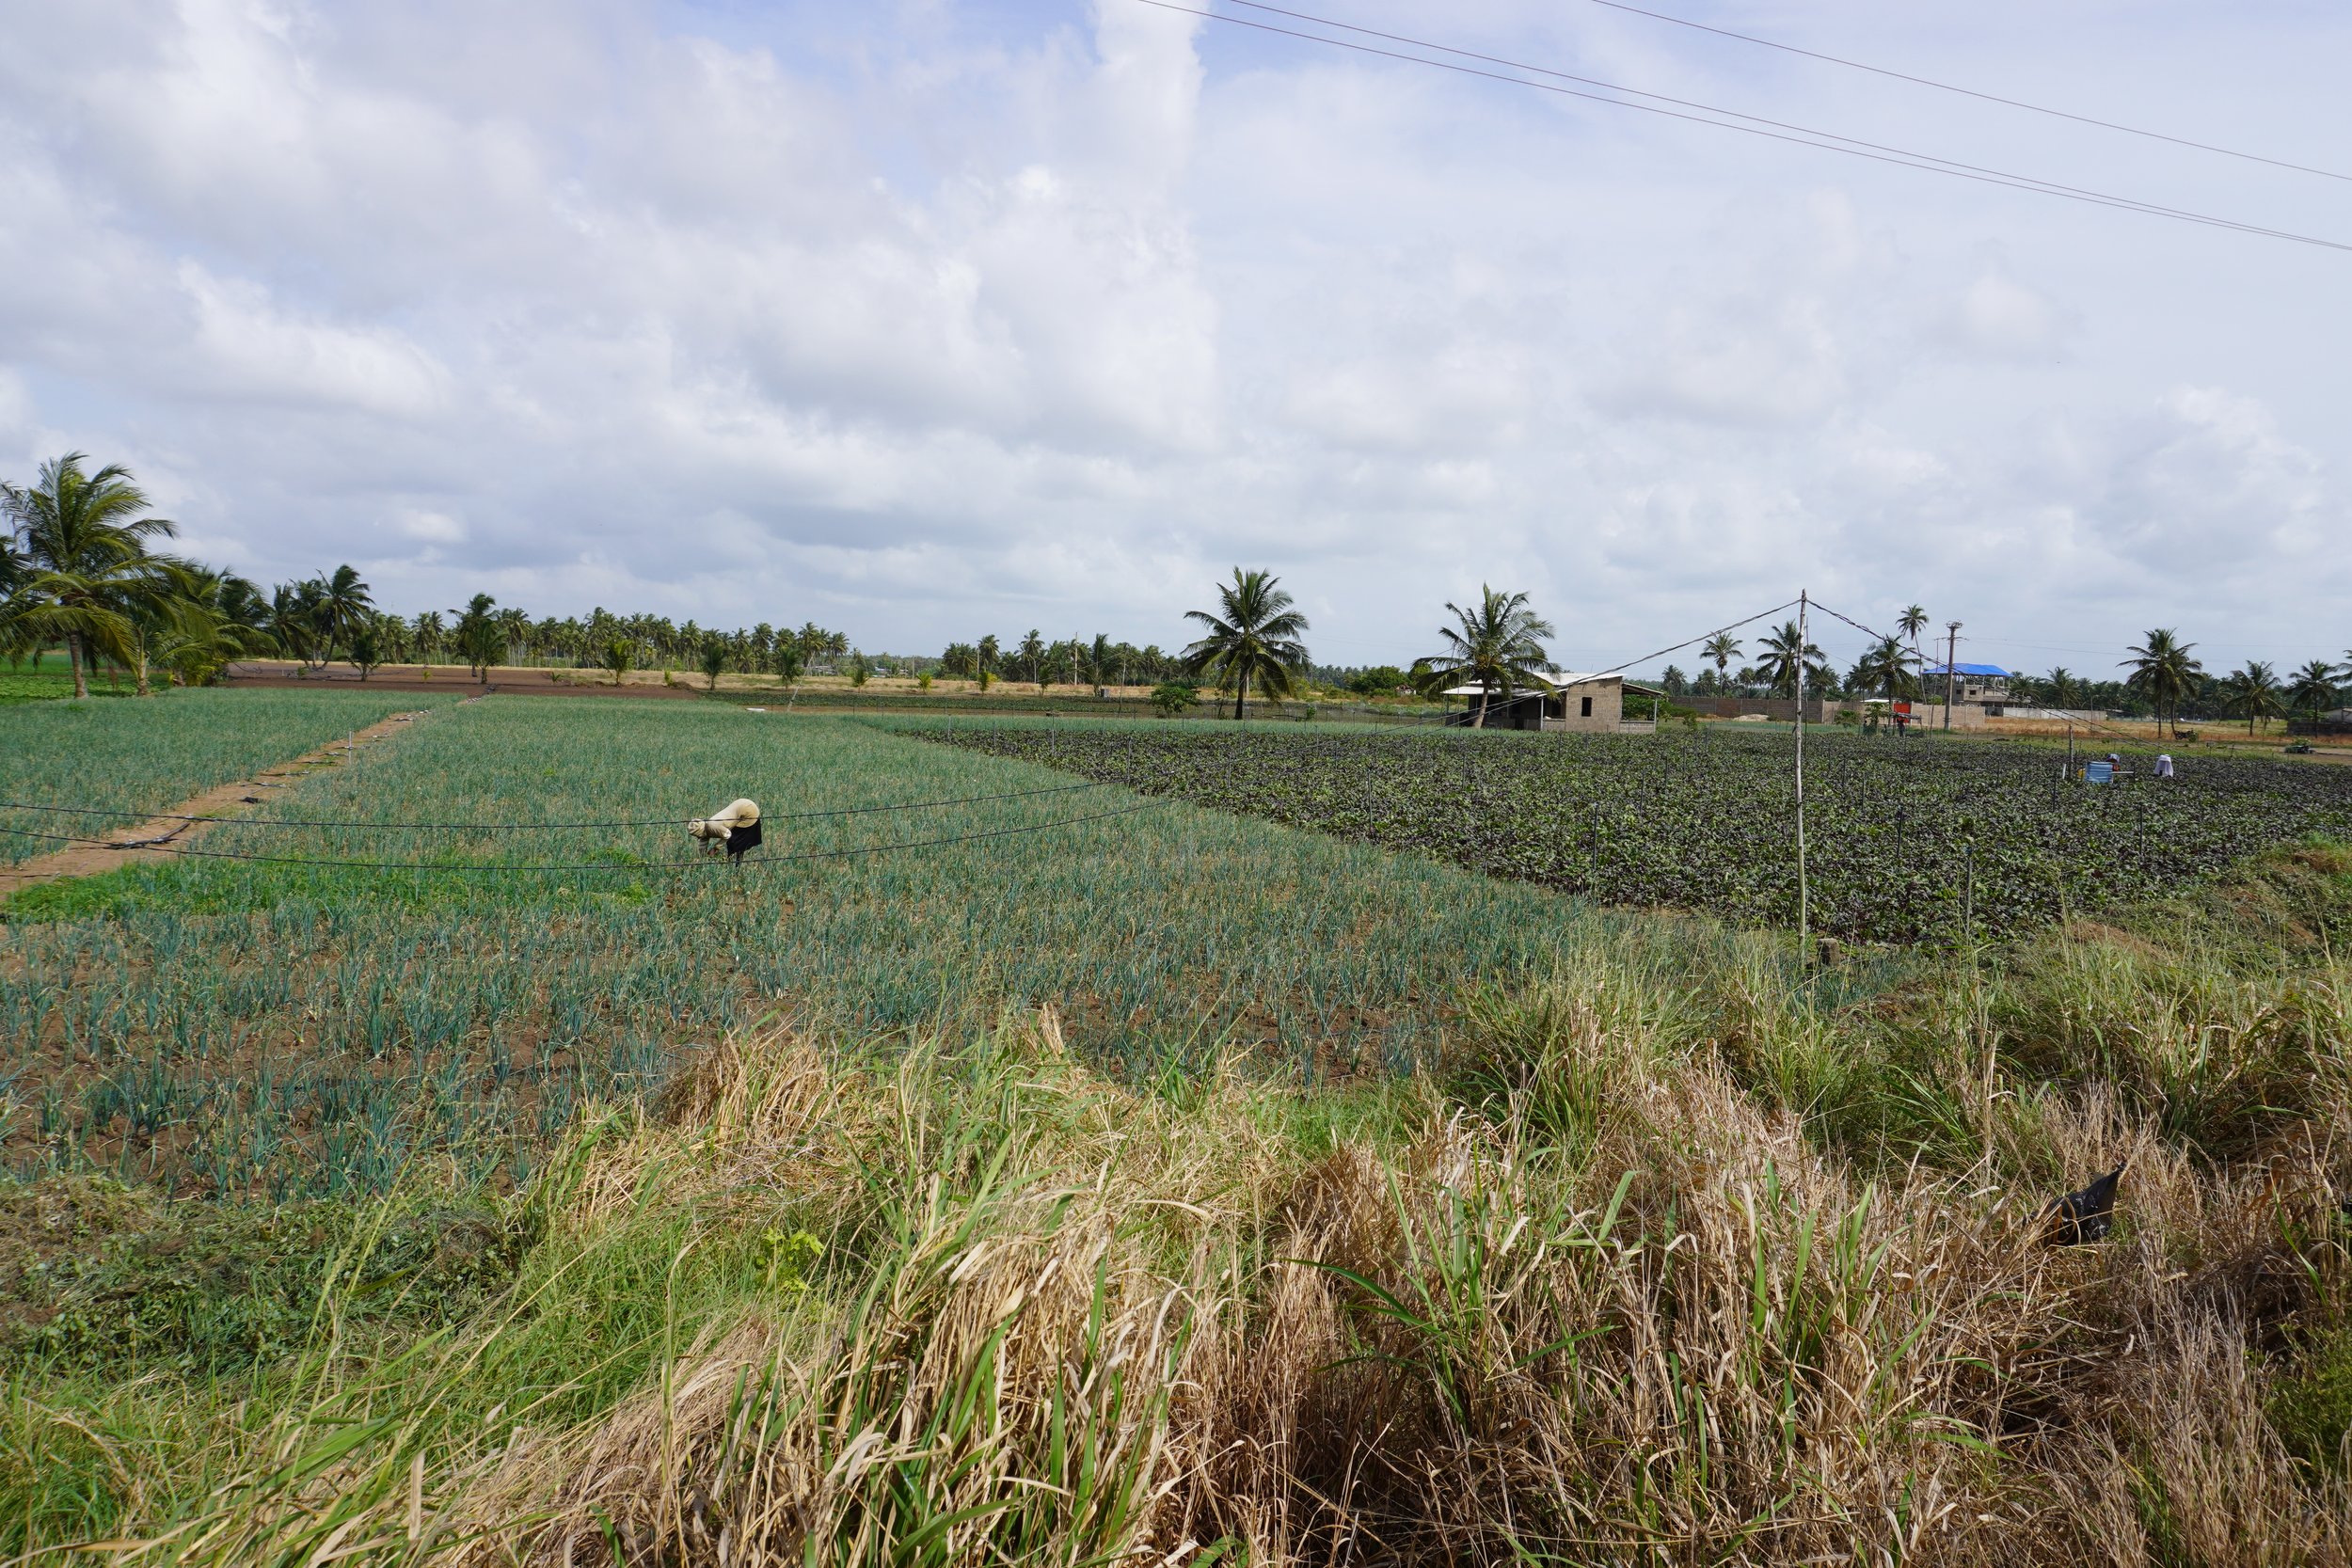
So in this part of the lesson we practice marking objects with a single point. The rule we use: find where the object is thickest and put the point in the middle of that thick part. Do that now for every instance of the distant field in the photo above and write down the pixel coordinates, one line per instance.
(148, 756)
(223, 1022)
(1705, 821)
(27, 679)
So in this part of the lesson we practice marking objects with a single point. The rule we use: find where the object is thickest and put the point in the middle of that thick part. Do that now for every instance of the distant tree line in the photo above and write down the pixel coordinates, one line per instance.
(80, 569)
(1096, 660)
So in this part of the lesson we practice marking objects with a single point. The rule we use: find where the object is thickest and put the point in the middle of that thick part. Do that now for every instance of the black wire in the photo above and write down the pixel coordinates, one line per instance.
(1735, 114)
(516, 827)
(1867, 631)
(1905, 160)
(1965, 92)
(598, 865)
(1619, 669)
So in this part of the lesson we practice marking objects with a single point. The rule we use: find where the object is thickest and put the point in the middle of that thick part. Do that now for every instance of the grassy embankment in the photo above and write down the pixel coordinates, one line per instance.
(1646, 1268)
(1662, 1259)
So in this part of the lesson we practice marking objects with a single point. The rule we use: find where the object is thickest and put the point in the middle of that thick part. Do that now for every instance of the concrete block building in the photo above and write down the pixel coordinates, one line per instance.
(1562, 700)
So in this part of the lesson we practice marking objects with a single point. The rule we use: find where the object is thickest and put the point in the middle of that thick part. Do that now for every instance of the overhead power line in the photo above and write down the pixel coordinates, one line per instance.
(1619, 669)
(1781, 130)
(1965, 92)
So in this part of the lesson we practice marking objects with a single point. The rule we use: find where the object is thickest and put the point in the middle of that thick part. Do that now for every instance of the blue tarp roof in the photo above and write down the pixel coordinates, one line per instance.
(1992, 670)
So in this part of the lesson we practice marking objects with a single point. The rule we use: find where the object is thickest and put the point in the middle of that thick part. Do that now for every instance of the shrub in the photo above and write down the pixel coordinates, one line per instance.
(1171, 698)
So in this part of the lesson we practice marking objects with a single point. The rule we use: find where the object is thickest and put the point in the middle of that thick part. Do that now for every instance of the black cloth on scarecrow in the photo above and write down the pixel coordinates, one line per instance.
(2086, 1215)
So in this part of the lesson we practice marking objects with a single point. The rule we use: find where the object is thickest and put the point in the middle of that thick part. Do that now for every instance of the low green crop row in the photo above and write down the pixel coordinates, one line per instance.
(147, 756)
(1908, 841)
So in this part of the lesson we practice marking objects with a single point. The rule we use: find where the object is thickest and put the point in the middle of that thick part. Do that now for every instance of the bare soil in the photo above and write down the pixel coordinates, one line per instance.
(160, 835)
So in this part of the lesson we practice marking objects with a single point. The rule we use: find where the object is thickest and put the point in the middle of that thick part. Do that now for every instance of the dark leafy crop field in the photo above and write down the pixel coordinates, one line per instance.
(1705, 821)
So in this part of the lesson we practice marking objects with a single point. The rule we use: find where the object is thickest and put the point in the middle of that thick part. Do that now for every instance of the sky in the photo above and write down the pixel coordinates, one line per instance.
(933, 320)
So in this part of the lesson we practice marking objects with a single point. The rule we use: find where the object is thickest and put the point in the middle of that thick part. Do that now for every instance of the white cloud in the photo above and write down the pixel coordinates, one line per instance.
(431, 528)
(2002, 318)
(948, 319)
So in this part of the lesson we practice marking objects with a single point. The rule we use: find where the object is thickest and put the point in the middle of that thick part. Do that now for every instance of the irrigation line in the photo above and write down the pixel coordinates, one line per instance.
(600, 865)
(533, 826)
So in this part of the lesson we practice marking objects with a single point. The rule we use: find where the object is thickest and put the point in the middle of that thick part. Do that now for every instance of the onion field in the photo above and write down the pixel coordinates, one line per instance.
(1908, 841)
(149, 755)
(245, 1026)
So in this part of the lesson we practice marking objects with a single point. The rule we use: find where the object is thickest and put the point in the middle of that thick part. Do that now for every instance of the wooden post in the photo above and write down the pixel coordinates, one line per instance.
(1951, 641)
(1803, 910)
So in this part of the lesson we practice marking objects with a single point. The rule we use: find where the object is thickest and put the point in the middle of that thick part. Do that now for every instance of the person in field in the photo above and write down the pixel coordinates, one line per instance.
(734, 830)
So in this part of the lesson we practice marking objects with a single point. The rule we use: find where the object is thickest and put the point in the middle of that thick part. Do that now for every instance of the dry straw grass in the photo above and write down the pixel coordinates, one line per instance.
(1113, 1330)
(1607, 1286)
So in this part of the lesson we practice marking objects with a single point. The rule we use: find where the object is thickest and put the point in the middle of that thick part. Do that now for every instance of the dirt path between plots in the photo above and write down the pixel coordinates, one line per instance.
(157, 837)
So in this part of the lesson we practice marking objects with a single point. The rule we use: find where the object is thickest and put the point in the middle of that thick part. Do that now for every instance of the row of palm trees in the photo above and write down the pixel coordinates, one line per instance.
(82, 567)
(1495, 646)
(79, 568)
(2167, 672)
(1077, 662)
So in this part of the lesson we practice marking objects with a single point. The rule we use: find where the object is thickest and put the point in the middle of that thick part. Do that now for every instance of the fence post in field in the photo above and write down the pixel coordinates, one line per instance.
(1804, 912)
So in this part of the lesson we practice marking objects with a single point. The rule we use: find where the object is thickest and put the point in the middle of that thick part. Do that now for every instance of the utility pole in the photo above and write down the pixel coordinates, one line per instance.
(1951, 644)
(1805, 944)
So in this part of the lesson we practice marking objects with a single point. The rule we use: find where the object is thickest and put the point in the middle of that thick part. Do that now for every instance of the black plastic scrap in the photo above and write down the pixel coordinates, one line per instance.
(2088, 1216)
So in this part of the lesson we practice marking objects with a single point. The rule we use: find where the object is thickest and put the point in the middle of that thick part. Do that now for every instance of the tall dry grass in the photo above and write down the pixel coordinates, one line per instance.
(1632, 1276)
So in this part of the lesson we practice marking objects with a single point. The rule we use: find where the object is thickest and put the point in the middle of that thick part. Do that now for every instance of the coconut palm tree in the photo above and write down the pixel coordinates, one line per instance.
(365, 646)
(2061, 686)
(1889, 668)
(80, 561)
(1253, 636)
(513, 623)
(296, 623)
(425, 632)
(481, 641)
(2253, 691)
(1497, 646)
(1720, 650)
(2163, 670)
(344, 605)
(1910, 623)
(714, 661)
(2313, 688)
(1787, 657)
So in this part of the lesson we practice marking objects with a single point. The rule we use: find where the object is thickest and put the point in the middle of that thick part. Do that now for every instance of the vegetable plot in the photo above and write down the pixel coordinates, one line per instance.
(280, 1030)
(1897, 829)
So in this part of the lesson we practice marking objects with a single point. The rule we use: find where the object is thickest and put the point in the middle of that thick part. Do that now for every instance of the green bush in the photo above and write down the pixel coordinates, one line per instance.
(1171, 698)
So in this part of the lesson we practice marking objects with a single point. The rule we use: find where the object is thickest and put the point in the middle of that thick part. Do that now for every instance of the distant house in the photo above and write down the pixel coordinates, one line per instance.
(1978, 685)
(1561, 700)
